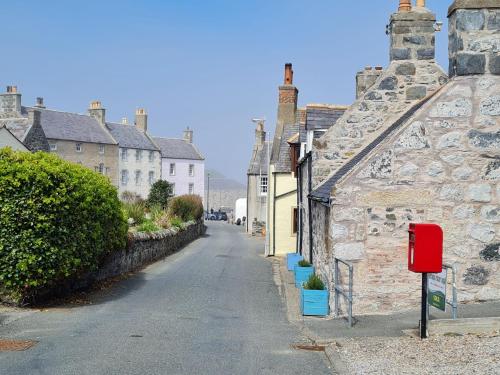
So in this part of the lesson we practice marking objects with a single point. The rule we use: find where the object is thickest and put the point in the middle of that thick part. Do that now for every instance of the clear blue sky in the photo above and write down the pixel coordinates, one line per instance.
(208, 64)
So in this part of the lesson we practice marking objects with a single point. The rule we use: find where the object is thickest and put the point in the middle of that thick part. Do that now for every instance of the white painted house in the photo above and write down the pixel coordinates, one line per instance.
(182, 164)
(139, 160)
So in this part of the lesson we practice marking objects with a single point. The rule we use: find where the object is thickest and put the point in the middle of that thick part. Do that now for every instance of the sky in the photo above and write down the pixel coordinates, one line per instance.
(212, 65)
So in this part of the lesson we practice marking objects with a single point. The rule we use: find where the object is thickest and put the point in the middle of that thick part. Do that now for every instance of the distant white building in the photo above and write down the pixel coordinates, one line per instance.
(182, 164)
(139, 160)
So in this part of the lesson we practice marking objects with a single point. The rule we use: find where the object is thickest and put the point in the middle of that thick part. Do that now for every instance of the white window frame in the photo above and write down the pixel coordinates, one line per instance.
(151, 177)
(124, 177)
(173, 188)
(151, 156)
(191, 188)
(138, 177)
(124, 154)
(78, 147)
(263, 185)
(191, 170)
(171, 169)
(53, 147)
(138, 155)
(101, 149)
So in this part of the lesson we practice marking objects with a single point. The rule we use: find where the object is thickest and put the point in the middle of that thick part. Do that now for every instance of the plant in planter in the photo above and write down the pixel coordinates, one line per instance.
(303, 269)
(292, 259)
(314, 297)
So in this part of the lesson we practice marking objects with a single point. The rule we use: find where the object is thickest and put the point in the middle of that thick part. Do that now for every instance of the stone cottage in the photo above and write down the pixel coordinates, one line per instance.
(139, 159)
(257, 182)
(416, 148)
(20, 127)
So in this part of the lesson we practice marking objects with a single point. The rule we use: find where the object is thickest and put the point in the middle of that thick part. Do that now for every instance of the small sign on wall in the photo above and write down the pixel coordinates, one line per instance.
(436, 284)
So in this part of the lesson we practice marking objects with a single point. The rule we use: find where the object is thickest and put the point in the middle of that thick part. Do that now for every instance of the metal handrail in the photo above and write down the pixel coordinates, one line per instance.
(339, 291)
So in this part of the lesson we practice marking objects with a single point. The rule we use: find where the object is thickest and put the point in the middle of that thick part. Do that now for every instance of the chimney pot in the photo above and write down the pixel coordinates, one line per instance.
(188, 135)
(288, 74)
(39, 102)
(404, 5)
(12, 89)
(96, 104)
(421, 3)
(124, 121)
(368, 68)
(378, 68)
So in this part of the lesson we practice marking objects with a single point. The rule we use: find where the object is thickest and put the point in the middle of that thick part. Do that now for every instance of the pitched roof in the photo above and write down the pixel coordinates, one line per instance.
(324, 191)
(259, 162)
(18, 127)
(128, 136)
(173, 148)
(73, 127)
(322, 117)
(283, 163)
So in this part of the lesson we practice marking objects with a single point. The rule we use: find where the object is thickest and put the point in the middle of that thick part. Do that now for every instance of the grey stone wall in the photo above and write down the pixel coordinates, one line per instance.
(443, 167)
(366, 79)
(35, 140)
(475, 40)
(142, 249)
(412, 75)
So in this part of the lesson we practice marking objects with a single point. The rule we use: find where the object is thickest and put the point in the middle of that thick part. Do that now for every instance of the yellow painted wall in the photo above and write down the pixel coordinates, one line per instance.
(281, 225)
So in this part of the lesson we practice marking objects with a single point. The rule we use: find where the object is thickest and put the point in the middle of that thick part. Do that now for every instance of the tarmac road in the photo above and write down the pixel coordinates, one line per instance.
(212, 308)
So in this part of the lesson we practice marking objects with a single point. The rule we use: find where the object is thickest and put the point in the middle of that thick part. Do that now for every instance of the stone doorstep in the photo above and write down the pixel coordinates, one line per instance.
(464, 326)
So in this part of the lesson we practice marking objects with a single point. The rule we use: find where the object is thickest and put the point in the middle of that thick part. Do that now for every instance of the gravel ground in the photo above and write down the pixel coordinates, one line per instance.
(471, 354)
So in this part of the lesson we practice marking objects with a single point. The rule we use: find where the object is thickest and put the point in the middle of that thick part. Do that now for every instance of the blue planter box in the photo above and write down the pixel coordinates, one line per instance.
(314, 302)
(302, 274)
(292, 259)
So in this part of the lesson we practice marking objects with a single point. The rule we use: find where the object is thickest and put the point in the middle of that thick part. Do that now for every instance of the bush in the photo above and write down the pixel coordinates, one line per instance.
(160, 193)
(186, 207)
(176, 223)
(304, 263)
(314, 283)
(57, 219)
(148, 226)
(135, 211)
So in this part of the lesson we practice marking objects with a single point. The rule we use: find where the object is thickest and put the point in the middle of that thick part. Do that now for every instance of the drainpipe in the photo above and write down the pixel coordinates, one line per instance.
(274, 213)
(309, 183)
(248, 198)
(300, 199)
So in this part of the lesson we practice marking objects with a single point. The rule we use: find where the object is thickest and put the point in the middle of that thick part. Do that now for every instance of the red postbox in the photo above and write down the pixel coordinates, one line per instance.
(425, 248)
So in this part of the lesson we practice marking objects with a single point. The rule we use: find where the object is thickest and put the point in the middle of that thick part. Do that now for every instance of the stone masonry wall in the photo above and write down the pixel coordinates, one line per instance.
(411, 75)
(443, 167)
(475, 41)
(142, 249)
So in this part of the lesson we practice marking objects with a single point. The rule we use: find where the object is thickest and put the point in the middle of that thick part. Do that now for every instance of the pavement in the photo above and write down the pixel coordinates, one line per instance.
(212, 308)
(331, 330)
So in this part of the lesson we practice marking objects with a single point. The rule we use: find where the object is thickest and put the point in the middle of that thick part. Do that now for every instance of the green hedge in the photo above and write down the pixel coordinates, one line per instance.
(186, 207)
(57, 219)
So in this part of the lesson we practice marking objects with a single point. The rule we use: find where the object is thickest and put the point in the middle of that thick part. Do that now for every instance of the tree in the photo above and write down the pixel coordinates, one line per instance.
(161, 191)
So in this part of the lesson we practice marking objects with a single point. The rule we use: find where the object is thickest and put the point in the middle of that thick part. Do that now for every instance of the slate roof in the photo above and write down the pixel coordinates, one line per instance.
(283, 163)
(258, 164)
(323, 192)
(18, 127)
(323, 117)
(72, 127)
(128, 136)
(172, 148)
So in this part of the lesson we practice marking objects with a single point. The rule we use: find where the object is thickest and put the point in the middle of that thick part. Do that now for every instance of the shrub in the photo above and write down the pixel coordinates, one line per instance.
(314, 283)
(186, 207)
(160, 193)
(57, 219)
(148, 226)
(304, 263)
(135, 211)
(176, 223)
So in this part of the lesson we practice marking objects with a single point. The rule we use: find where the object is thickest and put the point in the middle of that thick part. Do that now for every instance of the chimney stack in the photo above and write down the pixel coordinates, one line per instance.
(287, 103)
(366, 79)
(404, 5)
(473, 29)
(98, 112)
(39, 103)
(188, 135)
(288, 74)
(10, 103)
(260, 134)
(412, 33)
(141, 120)
(124, 121)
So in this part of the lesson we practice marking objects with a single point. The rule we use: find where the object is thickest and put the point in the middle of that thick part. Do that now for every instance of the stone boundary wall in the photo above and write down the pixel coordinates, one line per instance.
(142, 250)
